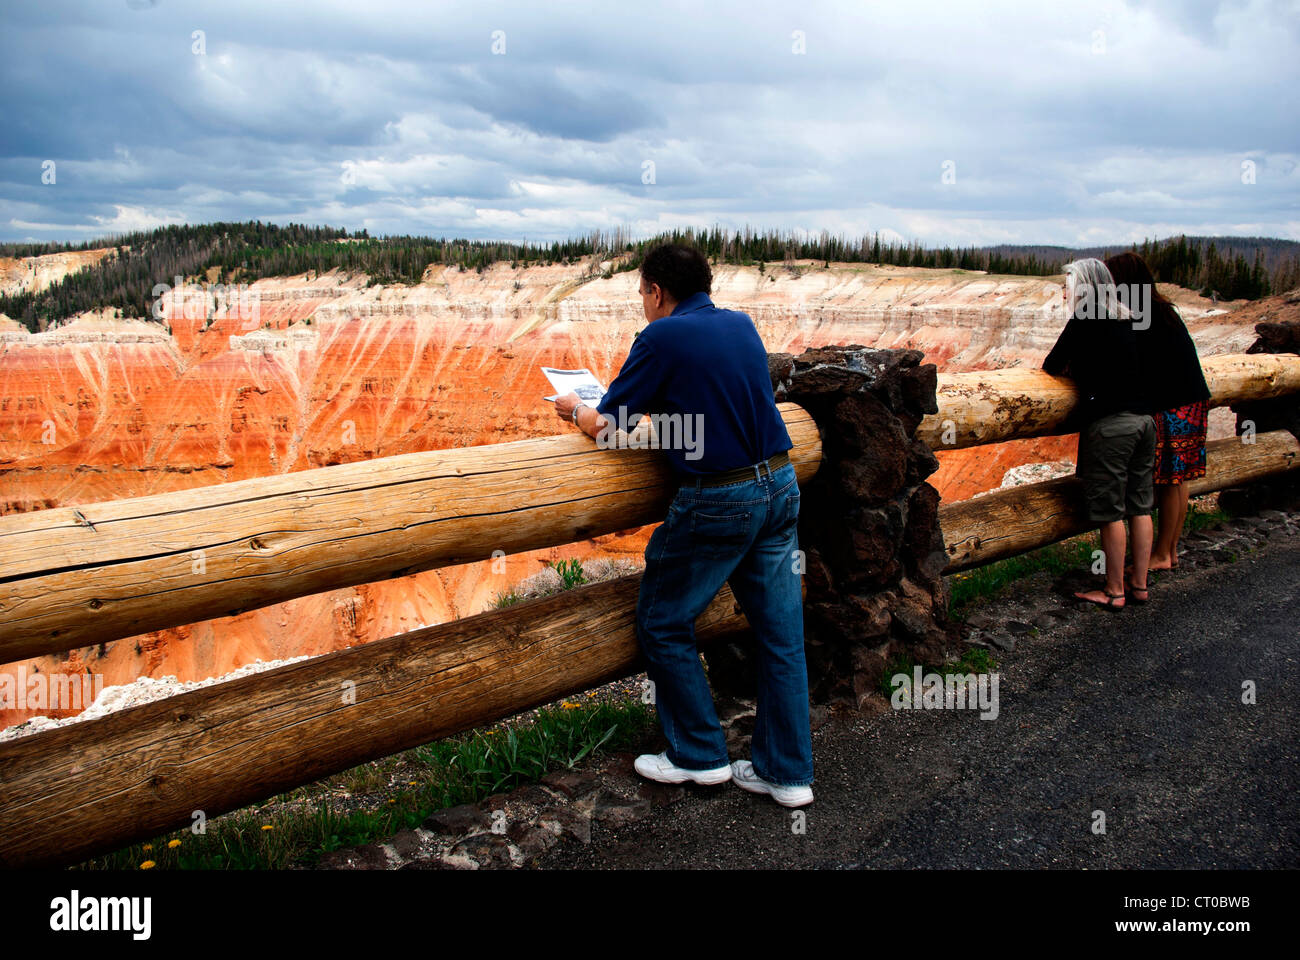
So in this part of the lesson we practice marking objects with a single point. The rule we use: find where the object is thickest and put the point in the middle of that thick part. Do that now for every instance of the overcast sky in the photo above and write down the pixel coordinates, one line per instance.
(962, 123)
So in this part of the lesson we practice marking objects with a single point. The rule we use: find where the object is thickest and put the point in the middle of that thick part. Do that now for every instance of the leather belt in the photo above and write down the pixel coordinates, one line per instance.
(774, 463)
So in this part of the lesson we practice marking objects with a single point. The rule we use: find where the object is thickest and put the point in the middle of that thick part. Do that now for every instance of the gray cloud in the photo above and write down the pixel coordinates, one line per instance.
(1067, 123)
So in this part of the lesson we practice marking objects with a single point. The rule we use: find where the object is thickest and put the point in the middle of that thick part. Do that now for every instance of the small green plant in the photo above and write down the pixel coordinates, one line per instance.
(974, 660)
(570, 572)
(1203, 519)
(505, 599)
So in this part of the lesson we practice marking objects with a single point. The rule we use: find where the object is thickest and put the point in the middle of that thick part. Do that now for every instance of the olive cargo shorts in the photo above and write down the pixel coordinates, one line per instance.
(1116, 459)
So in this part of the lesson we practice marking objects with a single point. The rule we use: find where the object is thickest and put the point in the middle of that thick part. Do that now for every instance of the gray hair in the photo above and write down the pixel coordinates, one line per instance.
(1094, 290)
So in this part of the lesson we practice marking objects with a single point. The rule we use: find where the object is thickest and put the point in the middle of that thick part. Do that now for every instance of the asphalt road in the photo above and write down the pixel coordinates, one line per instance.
(1137, 715)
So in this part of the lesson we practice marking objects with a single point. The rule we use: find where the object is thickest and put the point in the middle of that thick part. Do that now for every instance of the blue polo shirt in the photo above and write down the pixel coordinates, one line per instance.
(701, 373)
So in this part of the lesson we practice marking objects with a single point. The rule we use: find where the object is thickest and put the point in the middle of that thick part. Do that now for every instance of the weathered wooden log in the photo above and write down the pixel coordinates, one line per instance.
(98, 785)
(71, 577)
(1008, 522)
(988, 406)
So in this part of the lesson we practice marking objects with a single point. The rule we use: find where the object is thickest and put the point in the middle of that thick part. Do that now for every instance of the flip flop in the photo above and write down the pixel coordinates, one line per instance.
(1134, 591)
(1108, 605)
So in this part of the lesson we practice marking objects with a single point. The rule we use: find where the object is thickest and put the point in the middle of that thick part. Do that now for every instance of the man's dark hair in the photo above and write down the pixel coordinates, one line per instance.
(678, 269)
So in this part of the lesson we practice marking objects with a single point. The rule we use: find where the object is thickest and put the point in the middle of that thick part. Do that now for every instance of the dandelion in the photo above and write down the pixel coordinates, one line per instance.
(267, 826)
(148, 865)
(392, 799)
(173, 844)
(570, 706)
(147, 847)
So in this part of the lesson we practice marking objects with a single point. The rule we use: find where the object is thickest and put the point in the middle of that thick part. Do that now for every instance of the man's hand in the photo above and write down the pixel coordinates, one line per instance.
(564, 406)
(589, 421)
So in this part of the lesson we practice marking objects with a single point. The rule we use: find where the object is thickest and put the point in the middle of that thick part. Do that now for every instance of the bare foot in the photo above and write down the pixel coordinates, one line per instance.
(1110, 601)
(1162, 563)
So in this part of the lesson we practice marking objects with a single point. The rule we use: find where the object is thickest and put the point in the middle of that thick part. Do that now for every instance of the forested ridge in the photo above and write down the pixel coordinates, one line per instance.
(1230, 267)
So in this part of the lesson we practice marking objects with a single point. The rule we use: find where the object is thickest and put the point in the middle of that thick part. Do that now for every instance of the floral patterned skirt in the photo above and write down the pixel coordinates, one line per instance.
(1180, 443)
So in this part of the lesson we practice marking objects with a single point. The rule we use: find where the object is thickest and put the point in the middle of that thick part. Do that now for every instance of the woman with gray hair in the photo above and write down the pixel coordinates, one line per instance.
(1098, 351)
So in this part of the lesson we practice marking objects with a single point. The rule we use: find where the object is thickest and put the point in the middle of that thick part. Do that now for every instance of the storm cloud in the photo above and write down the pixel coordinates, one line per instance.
(1070, 123)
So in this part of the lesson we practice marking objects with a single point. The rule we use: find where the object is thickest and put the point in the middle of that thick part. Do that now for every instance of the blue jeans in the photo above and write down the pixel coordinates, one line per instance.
(744, 534)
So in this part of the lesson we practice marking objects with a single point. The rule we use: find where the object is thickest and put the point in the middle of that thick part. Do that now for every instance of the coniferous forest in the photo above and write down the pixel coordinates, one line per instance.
(1229, 267)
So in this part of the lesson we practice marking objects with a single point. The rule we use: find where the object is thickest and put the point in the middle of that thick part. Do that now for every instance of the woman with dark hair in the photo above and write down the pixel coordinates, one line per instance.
(1179, 395)
(1098, 351)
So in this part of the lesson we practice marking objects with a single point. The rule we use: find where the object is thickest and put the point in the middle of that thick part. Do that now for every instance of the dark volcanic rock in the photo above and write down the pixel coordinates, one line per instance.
(869, 523)
(458, 821)
(370, 856)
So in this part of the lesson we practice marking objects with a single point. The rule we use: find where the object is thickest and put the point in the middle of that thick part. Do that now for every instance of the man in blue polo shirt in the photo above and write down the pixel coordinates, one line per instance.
(701, 374)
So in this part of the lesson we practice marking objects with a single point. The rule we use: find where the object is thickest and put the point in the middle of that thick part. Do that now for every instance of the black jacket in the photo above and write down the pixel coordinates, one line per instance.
(1170, 364)
(1101, 357)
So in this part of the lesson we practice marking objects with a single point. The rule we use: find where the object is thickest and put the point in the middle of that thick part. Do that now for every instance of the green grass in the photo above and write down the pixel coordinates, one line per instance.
(974, 660)
(1203, 519)
(371, 802)
(506, 598)
(983, 583)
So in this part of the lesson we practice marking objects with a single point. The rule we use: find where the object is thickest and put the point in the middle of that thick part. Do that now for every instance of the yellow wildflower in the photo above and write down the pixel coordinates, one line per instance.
(267, 826)
(173, 844)
(147, 846)
(147, 865)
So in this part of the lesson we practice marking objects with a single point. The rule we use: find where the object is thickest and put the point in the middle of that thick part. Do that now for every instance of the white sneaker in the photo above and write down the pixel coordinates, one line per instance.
(742, 771)
(657, 766)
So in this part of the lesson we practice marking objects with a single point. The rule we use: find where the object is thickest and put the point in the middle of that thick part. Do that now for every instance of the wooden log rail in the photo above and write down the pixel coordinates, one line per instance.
(1012, 521)
(72, 577)
(989, 406)
(98, 785)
